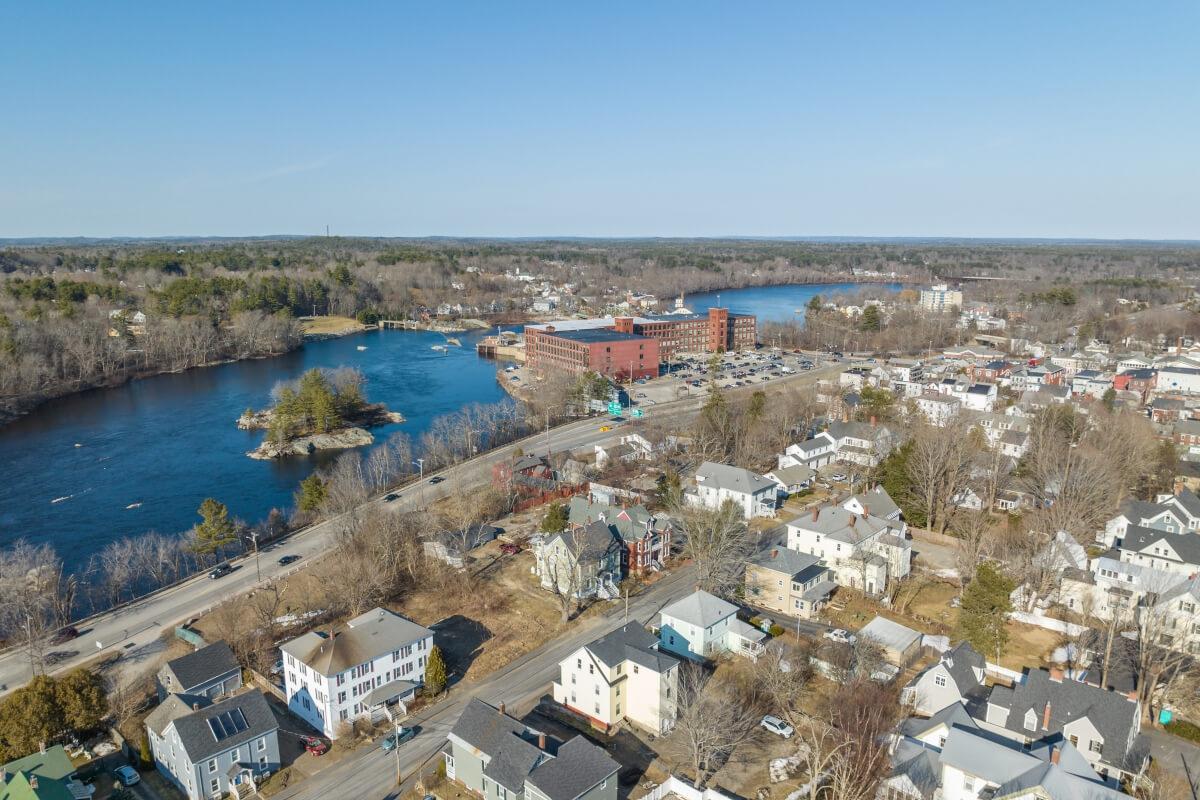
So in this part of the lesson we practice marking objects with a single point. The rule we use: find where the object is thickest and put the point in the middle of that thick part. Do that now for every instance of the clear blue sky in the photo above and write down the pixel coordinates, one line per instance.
(651, 118)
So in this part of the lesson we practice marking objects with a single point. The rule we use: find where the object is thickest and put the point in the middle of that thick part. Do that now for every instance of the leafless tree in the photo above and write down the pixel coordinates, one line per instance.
(975, 542)
(712, 722)
(939, 468)
(784, 672)
(30, 583)
(717, 541)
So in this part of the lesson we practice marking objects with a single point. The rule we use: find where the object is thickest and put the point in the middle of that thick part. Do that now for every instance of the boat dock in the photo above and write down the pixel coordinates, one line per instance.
(507, 345)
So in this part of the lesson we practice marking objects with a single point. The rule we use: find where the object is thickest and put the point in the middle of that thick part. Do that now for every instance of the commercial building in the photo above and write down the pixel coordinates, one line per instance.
(941, 297)
(621, 346)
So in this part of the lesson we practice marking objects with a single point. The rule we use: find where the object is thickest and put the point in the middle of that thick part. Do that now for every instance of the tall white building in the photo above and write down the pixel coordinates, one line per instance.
(941, 297)
(369, 668)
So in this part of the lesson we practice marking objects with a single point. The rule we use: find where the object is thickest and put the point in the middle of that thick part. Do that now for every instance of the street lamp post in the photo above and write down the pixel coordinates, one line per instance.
(397, 753)
(257, 566)
(420, 462)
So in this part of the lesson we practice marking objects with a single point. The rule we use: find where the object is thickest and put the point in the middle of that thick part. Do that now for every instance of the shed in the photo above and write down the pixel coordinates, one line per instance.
(900, 644)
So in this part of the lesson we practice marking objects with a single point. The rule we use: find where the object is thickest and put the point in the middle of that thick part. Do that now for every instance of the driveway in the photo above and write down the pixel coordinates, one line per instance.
(1176, 755)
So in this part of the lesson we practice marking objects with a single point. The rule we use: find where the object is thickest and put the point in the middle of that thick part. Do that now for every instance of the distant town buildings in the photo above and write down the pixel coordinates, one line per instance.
(941, 297)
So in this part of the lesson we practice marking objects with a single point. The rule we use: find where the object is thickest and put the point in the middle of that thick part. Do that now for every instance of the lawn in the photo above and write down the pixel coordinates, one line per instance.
(330, 326)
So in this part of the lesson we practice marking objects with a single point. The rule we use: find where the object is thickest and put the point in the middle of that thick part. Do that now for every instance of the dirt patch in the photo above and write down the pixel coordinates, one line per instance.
(1028, 645)
(330, 326)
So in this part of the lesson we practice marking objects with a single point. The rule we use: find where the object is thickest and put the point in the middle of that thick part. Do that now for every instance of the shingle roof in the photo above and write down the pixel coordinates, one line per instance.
(52, 768)
(197, 738)
(961, 662)
(169, 710)
(1186, 545)
(784, 560)
(511, 755)
(890, 634)
(364, 638)
(733, 479)
(700, 609)
(952, 715)
(202, 666)
(578, 766)
(1112, 714)
(631, 642)
(835, 522)
(588, 543)
(877, 502)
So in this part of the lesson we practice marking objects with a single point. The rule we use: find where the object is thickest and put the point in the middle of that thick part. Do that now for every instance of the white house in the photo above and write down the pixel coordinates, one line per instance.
(369, 668)
(863, 551)
(753, 494)
(862, 443)
(938, 409)
(812, 453)
(955, 678)
(622, 676)
(702, 626)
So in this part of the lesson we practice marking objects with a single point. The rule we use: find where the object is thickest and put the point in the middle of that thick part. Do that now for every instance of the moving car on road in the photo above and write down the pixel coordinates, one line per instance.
(220, 571)
(435, 480)
(288, 559)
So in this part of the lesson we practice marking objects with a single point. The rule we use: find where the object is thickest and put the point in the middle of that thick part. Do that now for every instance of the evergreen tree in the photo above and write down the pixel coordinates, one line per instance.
(815, 304)
(870, 319)
(983, 618)
(80, 694)
(215, 530)
(30, 716)
(1109, 398)
(312, 494)
(555, 519)
(435, 671)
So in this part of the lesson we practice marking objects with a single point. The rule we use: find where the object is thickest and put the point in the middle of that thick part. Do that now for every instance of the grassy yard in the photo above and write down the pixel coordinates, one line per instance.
(330, 326)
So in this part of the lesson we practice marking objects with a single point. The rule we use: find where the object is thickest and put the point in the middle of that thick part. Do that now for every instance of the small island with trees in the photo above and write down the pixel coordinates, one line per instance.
(322, 410)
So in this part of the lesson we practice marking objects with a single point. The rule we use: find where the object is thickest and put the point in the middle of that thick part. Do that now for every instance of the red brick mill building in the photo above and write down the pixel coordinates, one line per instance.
(628, 348)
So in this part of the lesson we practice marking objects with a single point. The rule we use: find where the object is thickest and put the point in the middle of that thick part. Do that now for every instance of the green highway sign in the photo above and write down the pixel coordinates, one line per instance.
(637, 412)
(614, 407)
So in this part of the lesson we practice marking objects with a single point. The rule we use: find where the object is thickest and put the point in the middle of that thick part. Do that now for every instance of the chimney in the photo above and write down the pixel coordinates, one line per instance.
(195, 706)
(500, 708)
(853, 519)
(1046, 718)
(1056, 675)
(33, 783)
(1055, 754)
(816, 512)
(541, 741)
(866, 511)
(775, 554)
(873, 420)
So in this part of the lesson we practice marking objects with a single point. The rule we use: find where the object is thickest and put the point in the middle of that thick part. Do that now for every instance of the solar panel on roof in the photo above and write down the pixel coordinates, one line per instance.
(227, 723)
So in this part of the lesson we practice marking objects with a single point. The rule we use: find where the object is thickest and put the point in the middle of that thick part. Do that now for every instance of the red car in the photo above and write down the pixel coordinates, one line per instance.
(510, 549)
(314, 745)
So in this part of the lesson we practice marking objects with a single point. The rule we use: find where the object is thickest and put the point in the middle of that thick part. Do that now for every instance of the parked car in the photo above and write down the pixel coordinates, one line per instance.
(510, 549)
(777, 726)
(288, 559)
(220, 571)
(277, 669)
(838, 476)
(127, 775)
(840, 635)
(390, 497)
(394, 740)
(314, 745)
(64, 635)
(435, 480)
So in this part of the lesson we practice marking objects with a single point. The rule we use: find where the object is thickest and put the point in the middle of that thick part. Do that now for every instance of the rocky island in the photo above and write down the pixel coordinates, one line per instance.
(323, 410)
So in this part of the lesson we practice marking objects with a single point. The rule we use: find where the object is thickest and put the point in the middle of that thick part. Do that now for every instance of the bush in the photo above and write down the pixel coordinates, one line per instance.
(777, 630)
(755, 621)
(1184, 730)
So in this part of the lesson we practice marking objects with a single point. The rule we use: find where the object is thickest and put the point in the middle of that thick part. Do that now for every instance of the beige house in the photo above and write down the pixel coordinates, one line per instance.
(788, 582)
(622, 676)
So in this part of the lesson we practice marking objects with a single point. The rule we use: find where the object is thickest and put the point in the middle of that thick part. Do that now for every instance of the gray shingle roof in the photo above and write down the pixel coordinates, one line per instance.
(589, 543)
(952, 715)
(733, 479)
(783, 560)
(631, 642)
(700, 609)
(961, 662)
(511, 754)
(877, 502)
(1186, 545)
(835, 522)
(578, 766)
(197, 737)
(1112, 714)
(202, 666)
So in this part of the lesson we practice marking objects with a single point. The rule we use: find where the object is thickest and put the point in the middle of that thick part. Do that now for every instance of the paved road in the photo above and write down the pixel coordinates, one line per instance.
(1176, 755)
(371, 773)
(134, 630)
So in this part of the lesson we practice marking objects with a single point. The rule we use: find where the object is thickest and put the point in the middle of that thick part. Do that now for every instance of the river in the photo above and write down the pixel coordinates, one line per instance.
(85, 469)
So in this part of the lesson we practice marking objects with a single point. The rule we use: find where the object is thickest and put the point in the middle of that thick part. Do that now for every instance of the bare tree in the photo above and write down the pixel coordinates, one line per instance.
(975, 542)
(939, 468)
(711, 722)
(718, 543)
(30, 582)
(784, 673)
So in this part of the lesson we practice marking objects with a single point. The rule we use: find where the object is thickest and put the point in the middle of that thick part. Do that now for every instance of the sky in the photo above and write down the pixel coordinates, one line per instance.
(1035, 119)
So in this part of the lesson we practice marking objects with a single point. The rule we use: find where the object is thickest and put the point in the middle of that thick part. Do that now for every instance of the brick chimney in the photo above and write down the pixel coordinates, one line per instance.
(1055, 754)
(1046, 718)
(866, 510)
(775, 553)
(816, 512)
(1056, 675)
(541, 741)
(853, 519)
(500, 708)
(873, 421)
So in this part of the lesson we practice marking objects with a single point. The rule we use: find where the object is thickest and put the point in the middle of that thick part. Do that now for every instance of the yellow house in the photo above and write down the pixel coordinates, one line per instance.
(788, 582)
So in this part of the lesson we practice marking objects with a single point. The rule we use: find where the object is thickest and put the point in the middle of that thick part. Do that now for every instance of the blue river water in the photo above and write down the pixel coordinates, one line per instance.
(86, 469)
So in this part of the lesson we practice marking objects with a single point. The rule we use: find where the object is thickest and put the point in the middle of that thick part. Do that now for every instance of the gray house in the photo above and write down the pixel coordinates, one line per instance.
(500, 758)
(956, 678)
(207, 750)
(208, 672)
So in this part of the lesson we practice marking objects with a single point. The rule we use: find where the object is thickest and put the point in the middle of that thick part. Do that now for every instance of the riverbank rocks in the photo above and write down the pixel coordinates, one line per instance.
(305, 445)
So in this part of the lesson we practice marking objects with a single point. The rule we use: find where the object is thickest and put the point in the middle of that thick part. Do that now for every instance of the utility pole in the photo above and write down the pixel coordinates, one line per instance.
(257, 566)
(420, 462)
(397, 753)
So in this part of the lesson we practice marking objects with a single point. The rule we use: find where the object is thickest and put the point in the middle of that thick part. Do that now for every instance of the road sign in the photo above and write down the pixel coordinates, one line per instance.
(637, 412)
(614, 407)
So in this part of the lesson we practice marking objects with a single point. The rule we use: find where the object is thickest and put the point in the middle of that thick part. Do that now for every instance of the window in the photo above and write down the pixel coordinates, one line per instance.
(939, 680)
(262, 743)
(635, 669)
(1096, 746)
(235, 754)
(1074, 741)
(212, 765)
(215, 785)
(1030, 720)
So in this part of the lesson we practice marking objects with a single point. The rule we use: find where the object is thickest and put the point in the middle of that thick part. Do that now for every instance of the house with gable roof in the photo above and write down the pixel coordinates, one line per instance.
(497, 757)
(621, 676)
(1104, 726)
(45, 775)
(862, 551)
(702, 626)
(645, 537)
(788, 582)
(583, 561)
(956, 679)
(210, 671)
(753, 494)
